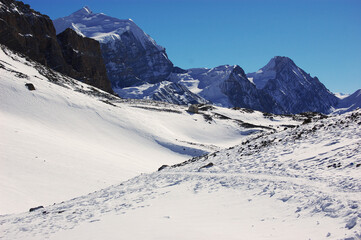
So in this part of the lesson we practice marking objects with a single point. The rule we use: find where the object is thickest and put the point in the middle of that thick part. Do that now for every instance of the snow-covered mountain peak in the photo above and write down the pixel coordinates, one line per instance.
(282, 59)
(82, 12)
(130, 55)
(292, 88)
(276, 64)
(278, 67)
(101, 27)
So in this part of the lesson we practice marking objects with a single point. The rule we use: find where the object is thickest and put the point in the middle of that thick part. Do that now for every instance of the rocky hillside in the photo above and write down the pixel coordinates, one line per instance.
(131, 56)
(32, 33)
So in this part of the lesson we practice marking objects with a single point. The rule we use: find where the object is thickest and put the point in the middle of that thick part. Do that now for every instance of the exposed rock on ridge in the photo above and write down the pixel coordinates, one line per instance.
(33, 34)
(84, 55)
(242, 93)
(292, 88)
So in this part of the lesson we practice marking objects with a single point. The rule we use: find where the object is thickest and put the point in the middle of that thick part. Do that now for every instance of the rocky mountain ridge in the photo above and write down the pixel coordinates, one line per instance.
(33, 34)
(292, 88)
(139, 68)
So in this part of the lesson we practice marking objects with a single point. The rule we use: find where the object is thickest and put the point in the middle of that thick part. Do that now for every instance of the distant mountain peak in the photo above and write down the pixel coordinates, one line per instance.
(282, 58)
(279, 62)
(238, 70)
(83, 12)
(131, 56)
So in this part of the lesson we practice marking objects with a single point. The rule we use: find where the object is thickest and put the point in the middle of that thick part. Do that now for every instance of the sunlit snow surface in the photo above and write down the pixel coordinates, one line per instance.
(275, 186)
(101, 27)
(59, 142)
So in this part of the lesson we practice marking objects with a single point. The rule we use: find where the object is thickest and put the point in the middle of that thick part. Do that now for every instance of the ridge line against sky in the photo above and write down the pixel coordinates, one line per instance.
(323, 37)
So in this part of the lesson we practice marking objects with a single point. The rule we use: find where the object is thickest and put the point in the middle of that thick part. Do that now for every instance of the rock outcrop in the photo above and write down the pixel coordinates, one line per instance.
(33, 34)
(30, 32)
(84, 55)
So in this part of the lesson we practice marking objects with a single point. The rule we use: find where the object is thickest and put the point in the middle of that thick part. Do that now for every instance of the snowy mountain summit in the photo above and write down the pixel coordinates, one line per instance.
(131, 56)
(227, 86)
(292, 88)
(102, 27)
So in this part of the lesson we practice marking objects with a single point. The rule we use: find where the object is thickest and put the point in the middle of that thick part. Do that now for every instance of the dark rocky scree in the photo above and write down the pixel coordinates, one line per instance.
(29, 32)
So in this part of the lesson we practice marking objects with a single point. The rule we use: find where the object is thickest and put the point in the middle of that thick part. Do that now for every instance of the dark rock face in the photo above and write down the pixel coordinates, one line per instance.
(30, 33)
(134, 64)
(84, 55)
(242, 93)
(292, 88)
(33, 34)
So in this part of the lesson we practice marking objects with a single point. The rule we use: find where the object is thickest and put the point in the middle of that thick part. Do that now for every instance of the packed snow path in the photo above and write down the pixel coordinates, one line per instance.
(300, 183)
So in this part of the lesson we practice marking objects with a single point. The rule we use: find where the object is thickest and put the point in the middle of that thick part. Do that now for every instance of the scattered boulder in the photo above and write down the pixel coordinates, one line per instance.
(193, 108)
(351, 223)
(207, 166)
(35, 208)
(162, 167)
(30, 86)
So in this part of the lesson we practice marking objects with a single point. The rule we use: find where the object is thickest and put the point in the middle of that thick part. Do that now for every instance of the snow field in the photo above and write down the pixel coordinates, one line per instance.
(57, 143)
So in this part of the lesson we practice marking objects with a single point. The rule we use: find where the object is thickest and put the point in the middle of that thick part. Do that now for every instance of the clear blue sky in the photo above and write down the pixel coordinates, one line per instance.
(323, 37)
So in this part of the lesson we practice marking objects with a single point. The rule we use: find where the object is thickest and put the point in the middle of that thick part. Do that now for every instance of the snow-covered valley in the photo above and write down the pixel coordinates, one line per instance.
(300, 183)
(231, 174)
(66, 139)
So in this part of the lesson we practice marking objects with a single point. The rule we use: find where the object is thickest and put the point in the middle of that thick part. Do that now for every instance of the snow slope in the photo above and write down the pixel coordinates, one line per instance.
(299, 183)
(66, 138)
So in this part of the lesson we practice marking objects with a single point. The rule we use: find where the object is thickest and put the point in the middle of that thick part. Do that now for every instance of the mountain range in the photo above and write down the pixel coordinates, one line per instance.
(79, 162)
(136, 65)
(117, 56)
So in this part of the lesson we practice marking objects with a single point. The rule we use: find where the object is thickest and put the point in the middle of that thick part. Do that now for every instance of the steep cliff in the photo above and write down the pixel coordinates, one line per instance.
(84, 55)
(33, 34)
